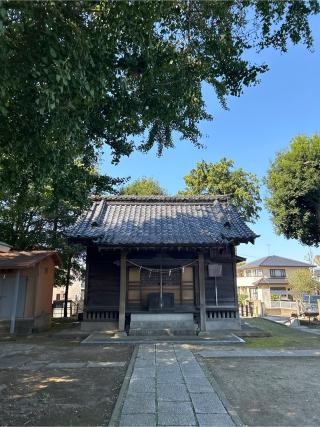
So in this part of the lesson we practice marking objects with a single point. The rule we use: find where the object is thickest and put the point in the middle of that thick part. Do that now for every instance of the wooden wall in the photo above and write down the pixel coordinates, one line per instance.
(142, 283)
(225, 285)
(104, 277)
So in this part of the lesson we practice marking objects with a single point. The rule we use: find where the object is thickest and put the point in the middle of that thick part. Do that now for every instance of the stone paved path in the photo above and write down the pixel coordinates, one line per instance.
(169, 388)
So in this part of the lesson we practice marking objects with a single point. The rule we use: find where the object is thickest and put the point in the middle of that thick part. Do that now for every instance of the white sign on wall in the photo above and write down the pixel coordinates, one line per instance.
(215, 270)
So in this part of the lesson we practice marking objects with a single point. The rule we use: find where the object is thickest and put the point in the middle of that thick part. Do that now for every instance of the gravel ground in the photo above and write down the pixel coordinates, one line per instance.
(270, 391)
(44, 396)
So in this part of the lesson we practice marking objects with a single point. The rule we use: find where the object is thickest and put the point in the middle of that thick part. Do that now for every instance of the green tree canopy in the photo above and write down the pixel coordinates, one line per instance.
(294, 184)
(144, 187)
(96, 72)
(75, 76)
(302, 282)
(37, 207)
(78, 75)
(223, 178)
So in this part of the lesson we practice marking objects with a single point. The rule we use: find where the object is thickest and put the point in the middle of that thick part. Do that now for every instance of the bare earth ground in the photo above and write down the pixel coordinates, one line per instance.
(264, 391)
(271, 391)
(53, 396)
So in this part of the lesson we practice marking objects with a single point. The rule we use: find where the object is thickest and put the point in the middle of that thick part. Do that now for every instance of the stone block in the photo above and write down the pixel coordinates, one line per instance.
(106, 364)
(144, 363)
(167, 361)
(67, 365)
(138, 420)
(144, 372)
(169, 379)
(173, 369)
(33, 366)
(161, 321)
(176, 414)
(87, 326)
(142, 385)
(195, 371)
(174, 393)
(198, 385)
(207, 403)
(215, 420)
(169, 375)
(223, 324)
(141, 403)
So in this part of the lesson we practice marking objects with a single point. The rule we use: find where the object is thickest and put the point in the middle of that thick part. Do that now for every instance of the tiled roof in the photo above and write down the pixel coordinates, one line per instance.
(161, 220)
(274, 261)
(19, 260)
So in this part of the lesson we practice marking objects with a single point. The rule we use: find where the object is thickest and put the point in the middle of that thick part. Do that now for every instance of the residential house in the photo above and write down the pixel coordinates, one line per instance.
(157, 263)
(75, 298)
(266, 280)
(316, 269)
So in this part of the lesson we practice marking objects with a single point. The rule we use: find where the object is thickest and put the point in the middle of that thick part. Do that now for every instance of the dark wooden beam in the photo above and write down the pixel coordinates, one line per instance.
(234, 265)
(123, 290)
(86, 280)
(202, 291)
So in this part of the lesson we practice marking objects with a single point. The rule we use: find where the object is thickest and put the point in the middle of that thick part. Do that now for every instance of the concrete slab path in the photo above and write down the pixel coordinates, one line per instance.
(168, 388)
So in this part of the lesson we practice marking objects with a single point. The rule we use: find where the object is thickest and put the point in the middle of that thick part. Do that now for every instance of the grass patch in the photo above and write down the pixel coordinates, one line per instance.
(282, 336)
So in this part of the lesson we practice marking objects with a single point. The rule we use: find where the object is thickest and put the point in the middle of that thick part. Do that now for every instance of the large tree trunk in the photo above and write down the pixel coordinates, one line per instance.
(65, 310)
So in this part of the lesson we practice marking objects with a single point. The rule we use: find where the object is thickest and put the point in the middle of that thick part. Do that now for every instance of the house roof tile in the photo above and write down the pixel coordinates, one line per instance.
(274, 261)
(161, 220)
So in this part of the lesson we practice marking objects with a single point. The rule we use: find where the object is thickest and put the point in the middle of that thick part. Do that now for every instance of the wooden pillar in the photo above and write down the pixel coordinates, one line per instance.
(202, 289)
(15, 302)
(123, 290)
(235, 282)
(86, 287)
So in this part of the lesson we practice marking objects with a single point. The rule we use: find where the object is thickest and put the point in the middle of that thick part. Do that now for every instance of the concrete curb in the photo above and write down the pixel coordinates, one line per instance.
(230, 409)
(115, 417)
(254, 353)
(299, 328)
(232, 339)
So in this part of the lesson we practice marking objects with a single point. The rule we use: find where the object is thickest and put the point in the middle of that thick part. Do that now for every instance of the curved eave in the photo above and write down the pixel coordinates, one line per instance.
(93, 241)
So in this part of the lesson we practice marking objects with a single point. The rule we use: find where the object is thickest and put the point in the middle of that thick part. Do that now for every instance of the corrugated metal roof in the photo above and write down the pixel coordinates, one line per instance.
(19, 260)
(161, 220)
(274, 261)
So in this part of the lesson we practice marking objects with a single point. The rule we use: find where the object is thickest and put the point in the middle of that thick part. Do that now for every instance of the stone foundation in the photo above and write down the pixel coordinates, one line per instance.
(162, 324)
(223, 324)
(22, 326)
(99, 326)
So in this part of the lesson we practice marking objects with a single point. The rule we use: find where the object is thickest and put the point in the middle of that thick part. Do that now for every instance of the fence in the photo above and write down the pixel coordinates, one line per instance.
(290, 305)
(221, 313)
(101, 315)
(58, 309)
(246, 310)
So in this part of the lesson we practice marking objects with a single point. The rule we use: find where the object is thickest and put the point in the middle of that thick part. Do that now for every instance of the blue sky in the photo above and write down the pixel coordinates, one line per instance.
(258, 124)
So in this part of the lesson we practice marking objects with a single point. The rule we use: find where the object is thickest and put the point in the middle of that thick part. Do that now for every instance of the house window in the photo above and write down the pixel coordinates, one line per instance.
(58, 297)
(253, 293)
(280, 272)
(254, 273)
(279, 293)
